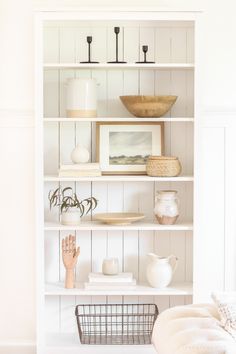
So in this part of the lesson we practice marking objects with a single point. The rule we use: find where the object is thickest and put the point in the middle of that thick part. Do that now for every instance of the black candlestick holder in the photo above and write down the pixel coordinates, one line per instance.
(89, 41)
(145, 50)
(117, 31)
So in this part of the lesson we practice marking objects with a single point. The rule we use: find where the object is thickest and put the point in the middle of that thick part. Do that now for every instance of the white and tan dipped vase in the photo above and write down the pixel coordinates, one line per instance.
(166, 207)
(81, 98)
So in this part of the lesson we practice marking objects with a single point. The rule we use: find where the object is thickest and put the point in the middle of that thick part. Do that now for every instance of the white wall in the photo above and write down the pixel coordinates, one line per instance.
(17, 271)
(17, 278)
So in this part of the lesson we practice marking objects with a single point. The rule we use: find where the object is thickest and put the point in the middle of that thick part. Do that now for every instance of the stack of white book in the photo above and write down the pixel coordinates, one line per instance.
(80, 170)
(99, 281)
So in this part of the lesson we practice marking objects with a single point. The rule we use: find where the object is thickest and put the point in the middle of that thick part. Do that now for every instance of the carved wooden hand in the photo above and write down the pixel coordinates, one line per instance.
(69, 256)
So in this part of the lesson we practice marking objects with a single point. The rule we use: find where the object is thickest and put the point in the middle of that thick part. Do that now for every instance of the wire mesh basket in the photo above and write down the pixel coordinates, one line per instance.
(116, 323)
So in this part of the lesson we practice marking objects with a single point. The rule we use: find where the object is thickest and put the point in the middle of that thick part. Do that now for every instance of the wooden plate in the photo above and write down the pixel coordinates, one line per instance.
(118, 218)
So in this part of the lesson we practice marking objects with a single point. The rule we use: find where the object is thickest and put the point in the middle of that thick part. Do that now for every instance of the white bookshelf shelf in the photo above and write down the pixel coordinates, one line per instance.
(160, 66)
(117, 119)
(138, 226)
(61, 44)
(58, 289)
(118, 178)
(61, 343)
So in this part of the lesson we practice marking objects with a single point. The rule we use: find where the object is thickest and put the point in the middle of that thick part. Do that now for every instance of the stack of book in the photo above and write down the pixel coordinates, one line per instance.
(99, 281)
(80, 170)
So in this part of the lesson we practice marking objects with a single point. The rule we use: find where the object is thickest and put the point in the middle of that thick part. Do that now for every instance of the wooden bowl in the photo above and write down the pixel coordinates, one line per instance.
(148, 106)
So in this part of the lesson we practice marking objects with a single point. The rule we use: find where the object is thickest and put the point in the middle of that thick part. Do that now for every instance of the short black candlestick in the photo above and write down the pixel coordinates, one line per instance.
(145, 50)
(89, 41)
(117, 31)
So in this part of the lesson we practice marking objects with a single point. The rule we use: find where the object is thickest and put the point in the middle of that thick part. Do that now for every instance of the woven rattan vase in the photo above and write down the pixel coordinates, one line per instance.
(163, 166)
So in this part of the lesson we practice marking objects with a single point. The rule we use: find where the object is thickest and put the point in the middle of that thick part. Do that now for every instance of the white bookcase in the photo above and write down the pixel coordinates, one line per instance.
(60, 46)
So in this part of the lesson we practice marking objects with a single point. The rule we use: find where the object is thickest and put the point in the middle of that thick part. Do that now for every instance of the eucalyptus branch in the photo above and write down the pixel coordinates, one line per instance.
(66, 199)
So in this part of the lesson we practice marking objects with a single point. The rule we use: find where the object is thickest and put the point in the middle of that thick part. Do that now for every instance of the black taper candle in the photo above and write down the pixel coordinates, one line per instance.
(89, 40)
(117, 31)
(145, 49)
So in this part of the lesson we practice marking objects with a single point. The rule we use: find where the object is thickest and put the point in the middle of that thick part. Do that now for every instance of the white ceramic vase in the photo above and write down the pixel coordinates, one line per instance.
(166, 207)
(70, 217)
(81, 98)
(80, 154)
(160, 270)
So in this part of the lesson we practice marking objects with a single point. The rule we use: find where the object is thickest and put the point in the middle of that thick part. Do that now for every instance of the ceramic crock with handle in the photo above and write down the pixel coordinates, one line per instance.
(81, 98)
(160, 270)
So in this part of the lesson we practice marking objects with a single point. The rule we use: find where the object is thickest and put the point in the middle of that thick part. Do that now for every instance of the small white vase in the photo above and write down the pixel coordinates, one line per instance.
(80, 154)
(160, 270)
(70, 217)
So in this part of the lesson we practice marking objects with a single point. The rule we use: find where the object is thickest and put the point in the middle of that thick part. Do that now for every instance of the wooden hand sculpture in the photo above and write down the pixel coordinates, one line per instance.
(69, 256)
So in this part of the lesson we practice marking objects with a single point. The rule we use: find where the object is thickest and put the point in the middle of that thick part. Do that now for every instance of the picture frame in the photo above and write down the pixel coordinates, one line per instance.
(123, 147)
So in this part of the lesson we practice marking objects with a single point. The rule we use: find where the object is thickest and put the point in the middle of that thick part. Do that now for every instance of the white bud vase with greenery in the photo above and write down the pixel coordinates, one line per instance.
(71, 208)
(71, 216)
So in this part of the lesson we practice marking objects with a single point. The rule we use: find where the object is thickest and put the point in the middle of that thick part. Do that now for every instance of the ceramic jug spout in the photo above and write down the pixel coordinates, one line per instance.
(152, 257)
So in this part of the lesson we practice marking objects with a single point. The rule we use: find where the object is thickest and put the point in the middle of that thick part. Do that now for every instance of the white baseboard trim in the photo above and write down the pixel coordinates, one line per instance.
(18, 348)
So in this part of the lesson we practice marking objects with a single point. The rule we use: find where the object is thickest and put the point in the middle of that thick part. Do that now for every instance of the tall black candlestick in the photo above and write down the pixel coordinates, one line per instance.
(117, 31)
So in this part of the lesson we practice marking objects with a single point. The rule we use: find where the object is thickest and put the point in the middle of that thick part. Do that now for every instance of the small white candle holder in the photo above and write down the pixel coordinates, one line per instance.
(110, 266)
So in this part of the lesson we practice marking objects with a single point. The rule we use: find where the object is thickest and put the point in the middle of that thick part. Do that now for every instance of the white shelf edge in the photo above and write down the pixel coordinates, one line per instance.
(158, 9)
(139, 226)
(59, 343)
(118, 66)
(120, 178)
(117, 119)
(175, 289)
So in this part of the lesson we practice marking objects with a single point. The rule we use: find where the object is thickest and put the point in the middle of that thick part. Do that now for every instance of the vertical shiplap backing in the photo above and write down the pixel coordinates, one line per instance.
(68, 44)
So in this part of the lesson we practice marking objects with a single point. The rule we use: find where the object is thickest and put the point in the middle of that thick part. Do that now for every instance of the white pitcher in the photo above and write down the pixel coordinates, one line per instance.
(81, 98)
(160, 270)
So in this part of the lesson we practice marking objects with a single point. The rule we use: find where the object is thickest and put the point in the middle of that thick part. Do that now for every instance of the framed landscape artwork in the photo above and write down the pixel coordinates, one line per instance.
(123, 148)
